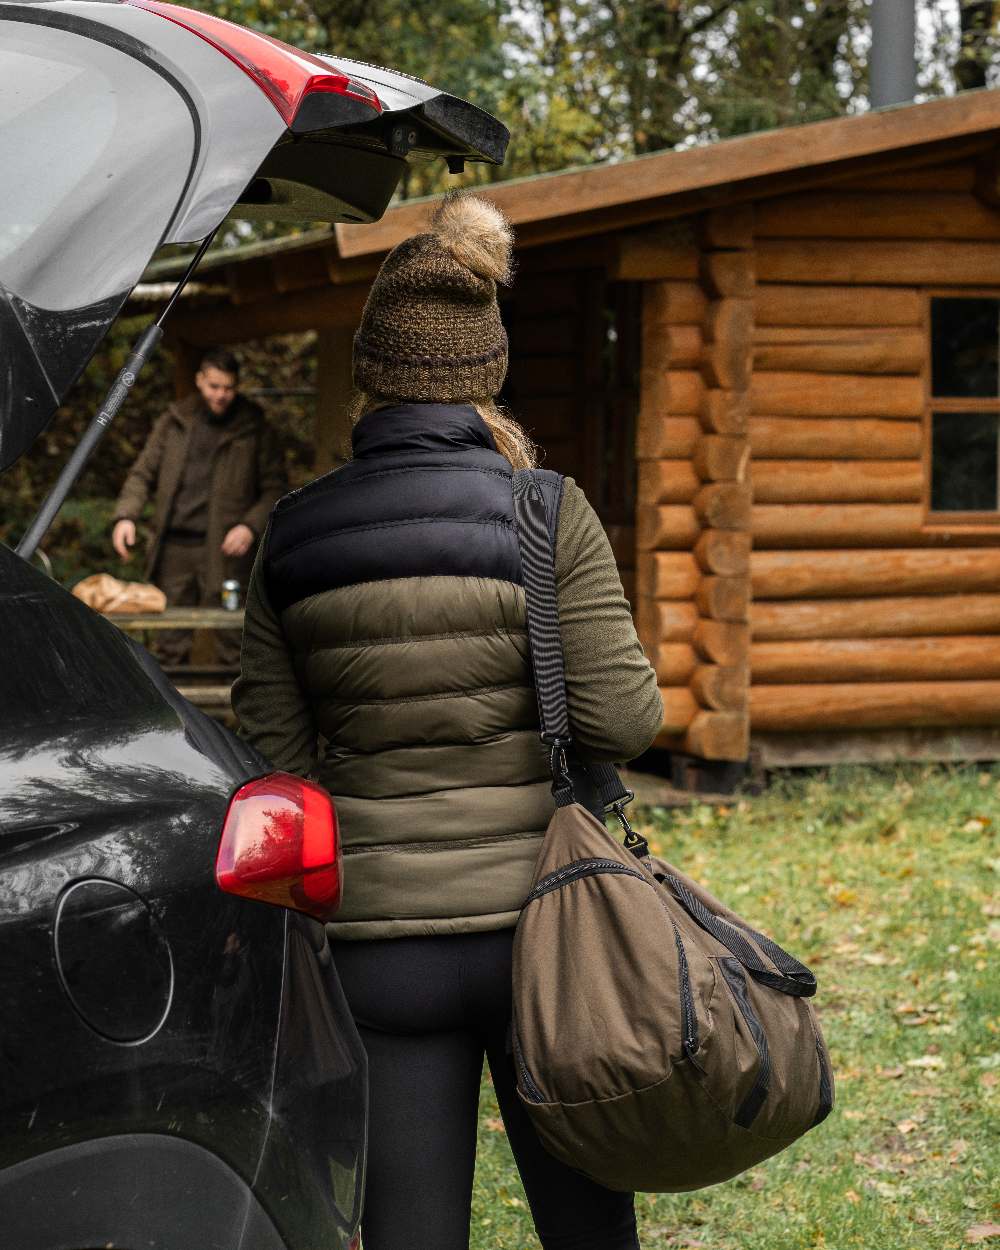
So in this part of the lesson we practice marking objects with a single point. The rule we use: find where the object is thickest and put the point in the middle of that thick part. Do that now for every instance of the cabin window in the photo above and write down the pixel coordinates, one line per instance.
(965, 406)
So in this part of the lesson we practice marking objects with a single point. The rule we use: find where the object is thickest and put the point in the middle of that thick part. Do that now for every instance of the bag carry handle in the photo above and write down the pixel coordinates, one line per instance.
(794, 977)
(538, 574)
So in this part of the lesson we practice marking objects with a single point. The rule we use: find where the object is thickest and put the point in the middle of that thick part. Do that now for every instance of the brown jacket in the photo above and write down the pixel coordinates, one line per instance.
(247, 477)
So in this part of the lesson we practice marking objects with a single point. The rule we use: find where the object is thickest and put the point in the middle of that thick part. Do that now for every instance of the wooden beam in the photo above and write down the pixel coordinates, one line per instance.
(667, 481)
(844, 525)
(720, 687)
(806, 750)
(960, 657)
(724, 412)
(665, 620)
(675, 663)
(728, 353)
(953, 176)
(875, 705)
(729, 274)
(670, 392)
(653, 254)
(833, 213)
(666, 527)
(328, 308)
(728, 227)
(899, 262)
(868, 352)
(838, 395)
(724, 506)
(830, 574)
(829, 438)
(720, 458)
(724, 598)
(719, 736)
(885, 617)
(679, 709)
(838, 305)
(666, 438)
(723, 552)
(838, 481)
(673, 303)
(722, 642)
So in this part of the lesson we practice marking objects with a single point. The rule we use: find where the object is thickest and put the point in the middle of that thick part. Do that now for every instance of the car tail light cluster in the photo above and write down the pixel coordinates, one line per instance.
(285, 74)
(280, 844)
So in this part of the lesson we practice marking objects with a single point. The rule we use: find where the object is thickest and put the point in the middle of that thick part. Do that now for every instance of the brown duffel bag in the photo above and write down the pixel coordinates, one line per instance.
(660, 1043)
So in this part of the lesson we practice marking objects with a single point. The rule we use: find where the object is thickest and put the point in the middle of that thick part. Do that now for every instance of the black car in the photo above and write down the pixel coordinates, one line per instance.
(178, 1068)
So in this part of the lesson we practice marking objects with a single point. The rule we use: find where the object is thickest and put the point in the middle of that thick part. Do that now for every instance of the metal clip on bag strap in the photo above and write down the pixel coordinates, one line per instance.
(539, 576)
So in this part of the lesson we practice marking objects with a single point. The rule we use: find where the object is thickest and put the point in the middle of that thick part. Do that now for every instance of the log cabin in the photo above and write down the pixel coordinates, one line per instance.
(772, 363)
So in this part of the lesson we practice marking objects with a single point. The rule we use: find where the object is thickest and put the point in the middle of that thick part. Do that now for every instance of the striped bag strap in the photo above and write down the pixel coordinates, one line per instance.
(535, 537)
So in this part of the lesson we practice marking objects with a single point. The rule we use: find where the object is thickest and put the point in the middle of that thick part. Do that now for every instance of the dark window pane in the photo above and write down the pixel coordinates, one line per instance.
(964, 462)
(965, 334)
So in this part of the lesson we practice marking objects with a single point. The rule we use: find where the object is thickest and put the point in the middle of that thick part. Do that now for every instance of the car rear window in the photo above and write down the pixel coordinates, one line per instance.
(87, 193)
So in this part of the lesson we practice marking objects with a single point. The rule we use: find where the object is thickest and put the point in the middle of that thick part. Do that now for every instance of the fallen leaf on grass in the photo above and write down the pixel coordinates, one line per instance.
(958, 1150)
(989, 1079)
(855, 1115)
(890, 1074)
(982, 1232)
(977, 824)
(991, 909)
(494, 1125)
(852, 1196)
(926, 1061)
(907, 1126)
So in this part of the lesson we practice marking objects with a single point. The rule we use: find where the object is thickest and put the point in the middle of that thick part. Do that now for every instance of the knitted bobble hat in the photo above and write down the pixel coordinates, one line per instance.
(431, 329)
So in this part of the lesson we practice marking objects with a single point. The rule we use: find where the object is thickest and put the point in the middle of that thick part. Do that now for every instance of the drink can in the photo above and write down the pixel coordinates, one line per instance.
(231, 595)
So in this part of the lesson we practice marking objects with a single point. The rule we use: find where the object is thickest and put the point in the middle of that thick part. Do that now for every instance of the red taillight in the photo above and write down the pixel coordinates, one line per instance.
(286, 74)
(280, 845)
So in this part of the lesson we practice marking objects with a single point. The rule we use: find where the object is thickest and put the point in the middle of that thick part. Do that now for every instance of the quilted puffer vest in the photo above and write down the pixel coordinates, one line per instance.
(398, 583)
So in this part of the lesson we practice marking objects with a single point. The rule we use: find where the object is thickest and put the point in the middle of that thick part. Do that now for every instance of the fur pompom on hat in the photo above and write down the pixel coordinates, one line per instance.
(431, 329)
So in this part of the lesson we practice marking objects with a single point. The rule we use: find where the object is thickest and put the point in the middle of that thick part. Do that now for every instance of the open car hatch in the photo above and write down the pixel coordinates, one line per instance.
(128, 125)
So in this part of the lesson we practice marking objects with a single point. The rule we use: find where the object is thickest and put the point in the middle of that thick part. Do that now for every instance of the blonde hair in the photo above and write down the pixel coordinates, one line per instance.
(511, 438)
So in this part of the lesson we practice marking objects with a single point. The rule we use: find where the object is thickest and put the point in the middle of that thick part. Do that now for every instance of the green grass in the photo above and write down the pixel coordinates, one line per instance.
(886, 883)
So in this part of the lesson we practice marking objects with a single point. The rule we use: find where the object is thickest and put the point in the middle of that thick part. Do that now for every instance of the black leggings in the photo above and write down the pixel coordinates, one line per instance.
(428, 1009)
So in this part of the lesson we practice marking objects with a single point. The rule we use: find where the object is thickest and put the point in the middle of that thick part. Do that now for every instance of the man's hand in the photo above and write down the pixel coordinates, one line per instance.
(123, 537)
(238, 541)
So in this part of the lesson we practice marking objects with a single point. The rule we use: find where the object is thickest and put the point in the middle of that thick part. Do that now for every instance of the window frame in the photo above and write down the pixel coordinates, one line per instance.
(965, 522)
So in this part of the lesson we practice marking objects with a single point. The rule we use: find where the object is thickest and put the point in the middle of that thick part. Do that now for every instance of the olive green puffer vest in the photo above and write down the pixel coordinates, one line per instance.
(397, 580)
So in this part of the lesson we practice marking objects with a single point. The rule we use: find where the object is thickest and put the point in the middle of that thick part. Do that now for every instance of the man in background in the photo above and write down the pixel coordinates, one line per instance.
(213, 470)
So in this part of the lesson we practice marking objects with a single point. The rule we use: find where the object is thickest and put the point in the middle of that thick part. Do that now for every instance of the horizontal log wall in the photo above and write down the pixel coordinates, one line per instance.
(863, 618)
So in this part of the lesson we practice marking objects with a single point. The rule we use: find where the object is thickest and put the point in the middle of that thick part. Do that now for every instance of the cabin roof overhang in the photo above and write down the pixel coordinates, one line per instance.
(598, 200)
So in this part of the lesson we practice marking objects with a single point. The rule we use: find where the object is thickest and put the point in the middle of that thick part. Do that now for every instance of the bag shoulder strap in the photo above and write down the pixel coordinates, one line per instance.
(537, 495)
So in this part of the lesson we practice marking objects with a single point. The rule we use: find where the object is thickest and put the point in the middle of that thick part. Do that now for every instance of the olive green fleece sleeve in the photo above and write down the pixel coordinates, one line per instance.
(268, 701)
(614, 705)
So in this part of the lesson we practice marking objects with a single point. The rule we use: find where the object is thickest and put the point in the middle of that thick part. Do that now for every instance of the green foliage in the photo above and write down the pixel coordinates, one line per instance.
(885, 882)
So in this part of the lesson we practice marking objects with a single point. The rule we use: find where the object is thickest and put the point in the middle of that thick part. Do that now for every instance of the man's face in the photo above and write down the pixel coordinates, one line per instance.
(217, 389)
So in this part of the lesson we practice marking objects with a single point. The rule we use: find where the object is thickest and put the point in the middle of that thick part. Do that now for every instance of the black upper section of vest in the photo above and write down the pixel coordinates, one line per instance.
(426, 494)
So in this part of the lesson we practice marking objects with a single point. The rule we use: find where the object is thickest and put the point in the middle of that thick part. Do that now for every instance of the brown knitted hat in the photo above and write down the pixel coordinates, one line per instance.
(431, 328)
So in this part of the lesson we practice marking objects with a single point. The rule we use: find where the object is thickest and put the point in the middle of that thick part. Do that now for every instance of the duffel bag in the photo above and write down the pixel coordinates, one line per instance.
(660, 1042)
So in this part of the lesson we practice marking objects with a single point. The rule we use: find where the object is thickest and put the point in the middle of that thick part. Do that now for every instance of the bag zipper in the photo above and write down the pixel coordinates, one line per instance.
(532, 1091)
(576, 870)
(688, 1018)
(732, 971)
